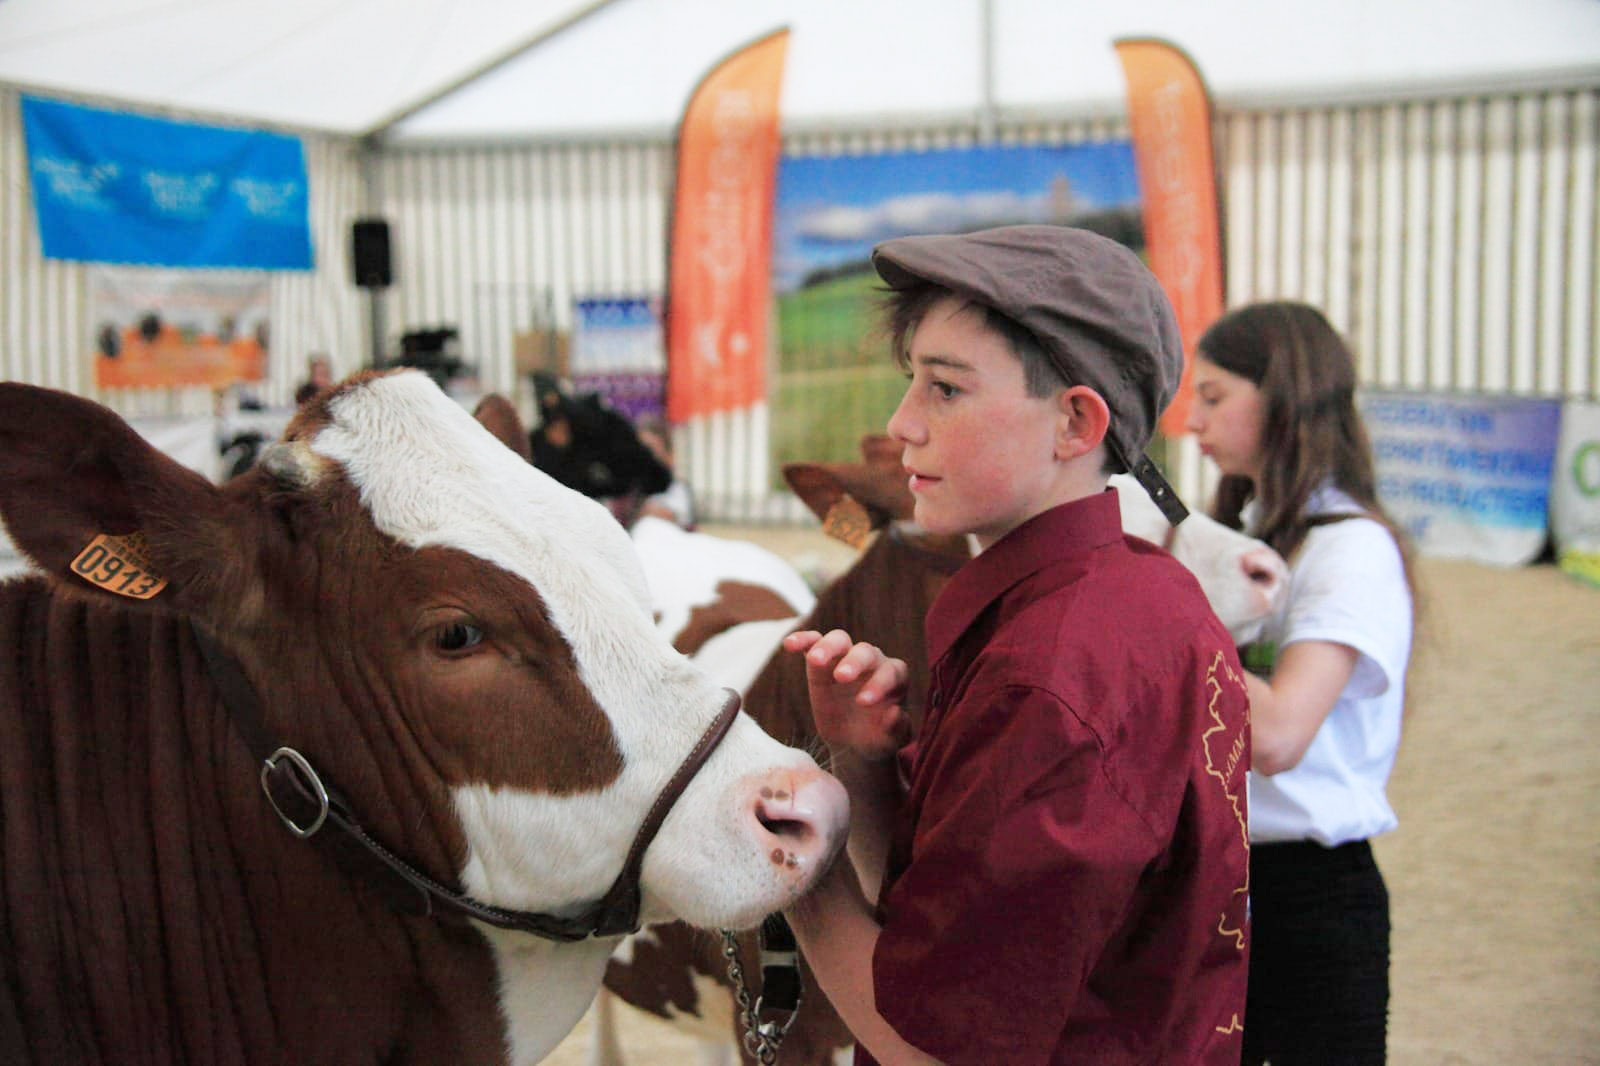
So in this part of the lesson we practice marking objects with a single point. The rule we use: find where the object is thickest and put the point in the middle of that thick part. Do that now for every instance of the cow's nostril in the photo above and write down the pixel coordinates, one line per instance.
(793, 829)
(801, 818)
(1262, 568)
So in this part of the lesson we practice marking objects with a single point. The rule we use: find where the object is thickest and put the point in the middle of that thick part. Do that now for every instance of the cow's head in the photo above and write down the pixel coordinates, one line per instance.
(457, 640)
(587, 445)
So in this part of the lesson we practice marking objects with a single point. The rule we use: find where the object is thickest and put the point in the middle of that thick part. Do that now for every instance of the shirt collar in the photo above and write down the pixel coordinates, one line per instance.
(1058, 534)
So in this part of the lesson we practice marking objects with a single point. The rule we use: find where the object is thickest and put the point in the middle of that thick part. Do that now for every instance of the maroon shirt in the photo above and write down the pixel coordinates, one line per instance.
(1069, 873)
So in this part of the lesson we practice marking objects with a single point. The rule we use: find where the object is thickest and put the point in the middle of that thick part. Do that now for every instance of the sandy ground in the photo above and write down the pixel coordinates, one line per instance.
(1494, 873)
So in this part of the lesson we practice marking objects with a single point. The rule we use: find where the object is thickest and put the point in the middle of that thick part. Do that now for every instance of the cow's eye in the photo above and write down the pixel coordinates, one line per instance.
(457, 636)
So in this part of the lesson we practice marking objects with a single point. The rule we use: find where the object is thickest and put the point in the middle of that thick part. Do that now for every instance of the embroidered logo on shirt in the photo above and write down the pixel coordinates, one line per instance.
(1224, 753)
(1225, 750)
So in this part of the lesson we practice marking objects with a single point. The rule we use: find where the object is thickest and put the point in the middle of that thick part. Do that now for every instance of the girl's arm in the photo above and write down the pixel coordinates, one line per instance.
(1286, 712)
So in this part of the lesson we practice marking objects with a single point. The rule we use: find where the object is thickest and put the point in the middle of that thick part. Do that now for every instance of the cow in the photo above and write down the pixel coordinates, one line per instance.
(371, 754)
(586, 444)
(674, 972)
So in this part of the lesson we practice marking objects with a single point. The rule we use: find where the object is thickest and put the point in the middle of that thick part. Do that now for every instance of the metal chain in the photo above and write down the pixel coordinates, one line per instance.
(761, 1039)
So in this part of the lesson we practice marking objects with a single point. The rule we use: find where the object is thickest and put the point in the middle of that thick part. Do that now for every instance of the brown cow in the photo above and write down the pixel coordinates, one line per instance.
(455, 656)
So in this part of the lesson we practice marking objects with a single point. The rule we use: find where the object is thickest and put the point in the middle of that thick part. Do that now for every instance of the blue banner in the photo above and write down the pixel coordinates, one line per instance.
(1468, 476)
(111, 187)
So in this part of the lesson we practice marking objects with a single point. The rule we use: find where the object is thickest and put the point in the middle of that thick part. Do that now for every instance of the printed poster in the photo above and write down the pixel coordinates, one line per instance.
(617, 351)
(164, 328)
(1467, 476)
(835, 378)
(1575, 492)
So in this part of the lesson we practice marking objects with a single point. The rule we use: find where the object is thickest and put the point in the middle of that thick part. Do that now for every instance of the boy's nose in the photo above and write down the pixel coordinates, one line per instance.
(903, 425)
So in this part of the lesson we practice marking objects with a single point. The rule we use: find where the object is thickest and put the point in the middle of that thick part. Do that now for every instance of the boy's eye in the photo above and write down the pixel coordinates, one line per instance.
(944, 389)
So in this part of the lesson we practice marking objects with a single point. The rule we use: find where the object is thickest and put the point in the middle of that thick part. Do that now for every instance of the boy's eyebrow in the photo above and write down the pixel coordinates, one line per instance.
(949, 362)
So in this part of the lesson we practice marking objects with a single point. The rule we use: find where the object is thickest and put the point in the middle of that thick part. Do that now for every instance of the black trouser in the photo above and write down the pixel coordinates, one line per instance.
(1319, 956)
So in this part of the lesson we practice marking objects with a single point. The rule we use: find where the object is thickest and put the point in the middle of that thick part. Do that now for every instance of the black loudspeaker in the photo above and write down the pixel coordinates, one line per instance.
(369, 253)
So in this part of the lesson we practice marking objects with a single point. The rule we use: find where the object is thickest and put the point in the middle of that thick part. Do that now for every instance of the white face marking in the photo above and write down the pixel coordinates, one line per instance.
(430, 475)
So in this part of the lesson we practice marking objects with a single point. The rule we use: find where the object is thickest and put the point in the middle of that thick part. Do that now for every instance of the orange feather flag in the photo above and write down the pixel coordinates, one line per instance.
(719, 264)
(1169, 113)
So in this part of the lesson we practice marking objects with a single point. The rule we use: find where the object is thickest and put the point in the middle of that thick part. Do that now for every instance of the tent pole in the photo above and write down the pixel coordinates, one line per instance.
(370, 154)
(988, 122)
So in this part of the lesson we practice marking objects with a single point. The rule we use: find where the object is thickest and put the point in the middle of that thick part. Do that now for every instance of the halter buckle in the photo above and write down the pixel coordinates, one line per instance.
(305, 780)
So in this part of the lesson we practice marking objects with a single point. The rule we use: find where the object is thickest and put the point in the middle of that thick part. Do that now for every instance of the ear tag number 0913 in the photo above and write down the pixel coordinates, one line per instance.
(848, 520)
(120, 565)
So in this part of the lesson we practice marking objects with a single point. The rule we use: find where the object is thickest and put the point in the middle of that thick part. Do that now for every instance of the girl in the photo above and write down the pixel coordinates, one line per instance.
(1275, 409)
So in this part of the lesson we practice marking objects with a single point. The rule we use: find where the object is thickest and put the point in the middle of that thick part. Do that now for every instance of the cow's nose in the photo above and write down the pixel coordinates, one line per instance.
(1266, 572)
(802, 817)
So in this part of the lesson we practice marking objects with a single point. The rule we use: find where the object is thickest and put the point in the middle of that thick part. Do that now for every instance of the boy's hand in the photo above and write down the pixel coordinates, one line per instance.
(855, 694)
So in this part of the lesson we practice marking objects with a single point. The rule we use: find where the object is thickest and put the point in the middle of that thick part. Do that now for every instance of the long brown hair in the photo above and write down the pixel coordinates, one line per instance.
(1311, 430)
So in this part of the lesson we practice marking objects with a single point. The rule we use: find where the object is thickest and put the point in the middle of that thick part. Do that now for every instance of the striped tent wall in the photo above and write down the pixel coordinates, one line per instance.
(496, 241)
(1454, 240)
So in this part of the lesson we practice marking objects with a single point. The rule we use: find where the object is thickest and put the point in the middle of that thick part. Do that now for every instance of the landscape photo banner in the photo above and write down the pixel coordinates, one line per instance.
(835, 379)
(113, 187)
(1467, 476)
(832, 209)
(165, 328)
(1169, 116)
(720, 251)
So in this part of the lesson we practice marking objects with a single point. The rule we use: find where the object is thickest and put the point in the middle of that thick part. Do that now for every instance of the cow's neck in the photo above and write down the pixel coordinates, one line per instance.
(542, 988)
(545, 987)
(132, 777)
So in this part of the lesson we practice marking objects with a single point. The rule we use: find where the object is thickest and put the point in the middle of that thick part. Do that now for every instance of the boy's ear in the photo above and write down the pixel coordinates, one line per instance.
(1083, 423)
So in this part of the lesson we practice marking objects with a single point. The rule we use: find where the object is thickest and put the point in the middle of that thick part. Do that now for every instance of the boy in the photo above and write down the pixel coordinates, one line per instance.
(1055, 871)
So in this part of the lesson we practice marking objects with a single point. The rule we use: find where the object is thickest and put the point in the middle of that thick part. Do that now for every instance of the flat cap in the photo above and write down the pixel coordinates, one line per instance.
(1100, 315)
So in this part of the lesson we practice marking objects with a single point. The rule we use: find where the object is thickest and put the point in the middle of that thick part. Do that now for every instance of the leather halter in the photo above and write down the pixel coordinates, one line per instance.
(308, 803)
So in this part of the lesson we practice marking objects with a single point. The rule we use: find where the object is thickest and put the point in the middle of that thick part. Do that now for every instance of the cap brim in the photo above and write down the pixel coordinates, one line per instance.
(921, 260)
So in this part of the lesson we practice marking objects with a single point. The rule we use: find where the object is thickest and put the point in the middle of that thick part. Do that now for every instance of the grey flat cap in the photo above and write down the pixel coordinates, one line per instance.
(1098, 312)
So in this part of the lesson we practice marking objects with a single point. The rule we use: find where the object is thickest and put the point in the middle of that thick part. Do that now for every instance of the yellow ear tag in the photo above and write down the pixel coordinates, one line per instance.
(848, 521)
(120, 565)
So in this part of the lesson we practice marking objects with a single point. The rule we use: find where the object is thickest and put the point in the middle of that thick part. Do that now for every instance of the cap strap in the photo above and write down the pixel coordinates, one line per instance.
(1147, 474)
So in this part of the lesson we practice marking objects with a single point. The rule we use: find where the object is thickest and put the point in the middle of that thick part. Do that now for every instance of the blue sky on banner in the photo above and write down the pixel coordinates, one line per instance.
(113, 187)
(831, 210)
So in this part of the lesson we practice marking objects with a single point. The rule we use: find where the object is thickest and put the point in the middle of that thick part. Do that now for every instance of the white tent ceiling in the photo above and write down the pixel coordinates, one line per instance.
(446, 69)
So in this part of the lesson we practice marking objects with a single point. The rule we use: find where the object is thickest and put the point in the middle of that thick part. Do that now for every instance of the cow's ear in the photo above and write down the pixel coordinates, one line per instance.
(817, 488)
(105, 513)
(844, 517)
(500, 418)
(879, 487)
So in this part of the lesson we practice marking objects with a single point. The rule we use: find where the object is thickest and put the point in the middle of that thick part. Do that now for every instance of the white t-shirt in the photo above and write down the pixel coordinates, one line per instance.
(1347, 586)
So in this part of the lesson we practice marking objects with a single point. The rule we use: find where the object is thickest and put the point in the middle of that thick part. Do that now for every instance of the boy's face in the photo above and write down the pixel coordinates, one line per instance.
(980, 451)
